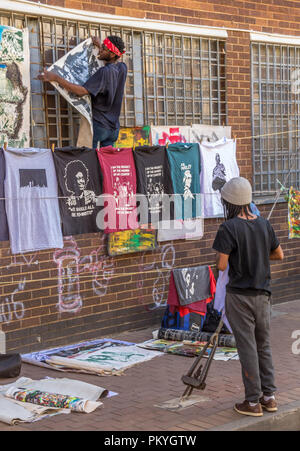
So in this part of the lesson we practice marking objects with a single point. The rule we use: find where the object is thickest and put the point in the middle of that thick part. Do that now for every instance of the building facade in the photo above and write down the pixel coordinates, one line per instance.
(207, 62)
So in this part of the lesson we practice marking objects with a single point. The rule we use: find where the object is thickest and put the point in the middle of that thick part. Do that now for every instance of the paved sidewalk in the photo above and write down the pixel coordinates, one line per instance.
(159, 380)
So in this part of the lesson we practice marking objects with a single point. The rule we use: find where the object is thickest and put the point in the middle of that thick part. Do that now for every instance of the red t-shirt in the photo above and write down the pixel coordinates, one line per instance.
(119, 184)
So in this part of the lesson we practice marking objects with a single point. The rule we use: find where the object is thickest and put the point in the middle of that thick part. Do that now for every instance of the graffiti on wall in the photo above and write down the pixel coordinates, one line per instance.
(10, 309)
(159, 270)
(76, 273)
(72, 268)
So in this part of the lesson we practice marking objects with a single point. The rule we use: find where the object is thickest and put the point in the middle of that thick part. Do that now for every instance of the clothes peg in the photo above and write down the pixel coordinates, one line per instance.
(53, 147)
(98, 145)
(5, 145)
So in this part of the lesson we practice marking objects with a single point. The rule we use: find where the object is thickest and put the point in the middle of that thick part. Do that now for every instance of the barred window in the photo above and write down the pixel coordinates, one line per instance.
(275, 116)
(172, 79)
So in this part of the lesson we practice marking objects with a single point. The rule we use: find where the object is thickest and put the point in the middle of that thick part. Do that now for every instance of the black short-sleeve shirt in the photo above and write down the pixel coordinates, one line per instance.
(106, 88)
(248, 244)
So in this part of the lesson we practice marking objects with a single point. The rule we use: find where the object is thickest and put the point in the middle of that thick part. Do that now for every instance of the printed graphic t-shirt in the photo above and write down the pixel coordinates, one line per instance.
(153, 178)
(218, 162)
(119, 183)
(32, 204)
(106, 87)
(79, 184)
(185, 172)
(3, 218)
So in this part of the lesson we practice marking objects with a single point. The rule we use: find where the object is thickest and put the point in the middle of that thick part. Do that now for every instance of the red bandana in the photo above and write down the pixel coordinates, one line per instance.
(112, 47)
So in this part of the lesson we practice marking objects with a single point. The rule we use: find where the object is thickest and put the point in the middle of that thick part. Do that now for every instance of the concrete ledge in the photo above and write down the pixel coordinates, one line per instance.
(287, 418)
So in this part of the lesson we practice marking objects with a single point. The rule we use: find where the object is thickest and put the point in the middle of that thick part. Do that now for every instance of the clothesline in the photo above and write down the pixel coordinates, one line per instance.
(111, 196)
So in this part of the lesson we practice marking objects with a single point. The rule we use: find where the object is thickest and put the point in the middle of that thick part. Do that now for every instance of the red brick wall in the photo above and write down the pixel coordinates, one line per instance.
(123, 293)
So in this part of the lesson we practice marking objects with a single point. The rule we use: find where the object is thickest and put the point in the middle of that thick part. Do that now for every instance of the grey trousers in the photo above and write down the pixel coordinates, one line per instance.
(249, 318)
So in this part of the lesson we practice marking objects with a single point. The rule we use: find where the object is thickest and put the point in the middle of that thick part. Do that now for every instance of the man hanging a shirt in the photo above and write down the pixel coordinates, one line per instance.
(106, 88)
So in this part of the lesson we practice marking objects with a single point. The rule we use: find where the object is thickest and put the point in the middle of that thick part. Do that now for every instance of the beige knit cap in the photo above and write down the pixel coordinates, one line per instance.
(237, 191)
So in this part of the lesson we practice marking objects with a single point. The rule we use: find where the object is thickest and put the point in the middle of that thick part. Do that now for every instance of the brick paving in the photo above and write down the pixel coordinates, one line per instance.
(159, 380)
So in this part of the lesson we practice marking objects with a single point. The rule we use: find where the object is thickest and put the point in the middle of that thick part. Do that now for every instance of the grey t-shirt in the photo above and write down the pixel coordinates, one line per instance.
(192, 284)
(31, 200)
(3, 219)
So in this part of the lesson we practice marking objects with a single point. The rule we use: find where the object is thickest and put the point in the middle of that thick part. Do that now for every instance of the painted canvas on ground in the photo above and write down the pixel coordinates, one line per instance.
(189, 349)
(163, 135)
(14, 87)
(294, 213)
(129, 241)
(103, 357)
(134, 136)
(77, 67)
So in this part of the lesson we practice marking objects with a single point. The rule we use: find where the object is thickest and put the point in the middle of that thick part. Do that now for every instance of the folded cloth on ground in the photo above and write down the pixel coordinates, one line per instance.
(54, 400)
(13, 412)
(63, 386)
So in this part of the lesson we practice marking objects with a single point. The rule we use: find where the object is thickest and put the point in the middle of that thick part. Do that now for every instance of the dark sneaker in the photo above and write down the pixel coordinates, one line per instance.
(269, 406)
(246, 409)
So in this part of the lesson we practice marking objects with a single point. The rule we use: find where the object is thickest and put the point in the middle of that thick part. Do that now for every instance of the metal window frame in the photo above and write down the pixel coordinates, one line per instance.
(185, 117)
(58, 124)
(281, 162)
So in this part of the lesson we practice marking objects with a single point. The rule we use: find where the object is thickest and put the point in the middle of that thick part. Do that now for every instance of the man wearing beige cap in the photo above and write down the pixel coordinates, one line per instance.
(248, 242)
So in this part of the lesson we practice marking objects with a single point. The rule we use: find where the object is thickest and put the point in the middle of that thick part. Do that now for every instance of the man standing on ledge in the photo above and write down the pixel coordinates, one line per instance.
(248, 242)
(106, 88)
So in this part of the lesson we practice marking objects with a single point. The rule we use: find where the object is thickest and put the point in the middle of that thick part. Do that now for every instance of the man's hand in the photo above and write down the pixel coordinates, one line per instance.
(70, 87)
(96, 41)
(47, 76)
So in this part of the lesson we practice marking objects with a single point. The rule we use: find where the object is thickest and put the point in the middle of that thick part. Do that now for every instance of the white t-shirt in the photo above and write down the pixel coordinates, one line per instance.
(31, 200)
(218, 165)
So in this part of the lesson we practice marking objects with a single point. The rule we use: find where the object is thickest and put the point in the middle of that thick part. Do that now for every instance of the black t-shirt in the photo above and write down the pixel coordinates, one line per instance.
(79, 183)
(153, 178)
(106, 87)
(248, 244)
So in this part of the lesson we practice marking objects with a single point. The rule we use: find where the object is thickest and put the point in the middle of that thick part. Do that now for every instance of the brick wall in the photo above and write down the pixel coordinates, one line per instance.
(54, 297)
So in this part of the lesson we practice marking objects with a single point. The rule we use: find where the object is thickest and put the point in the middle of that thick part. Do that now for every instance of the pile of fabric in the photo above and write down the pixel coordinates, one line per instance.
(191, 289)
(27, 400)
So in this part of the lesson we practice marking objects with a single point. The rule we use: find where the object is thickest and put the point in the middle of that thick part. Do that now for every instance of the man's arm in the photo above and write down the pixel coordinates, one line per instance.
(71, 87)
(221, 261)
(277, 254)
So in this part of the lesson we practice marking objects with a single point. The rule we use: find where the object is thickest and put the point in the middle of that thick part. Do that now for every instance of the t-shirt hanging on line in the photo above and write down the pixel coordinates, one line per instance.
(32, 200)
(79, 184)
(153, 179)
(185, 172)
(3, 218)
(119, 182)
(218, 162)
